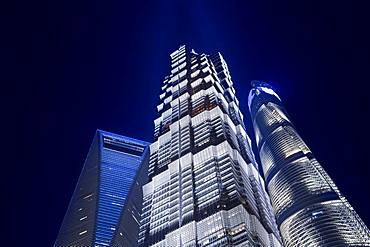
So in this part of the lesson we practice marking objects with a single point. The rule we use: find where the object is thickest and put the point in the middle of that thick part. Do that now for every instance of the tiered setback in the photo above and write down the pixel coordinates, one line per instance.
(204, 189)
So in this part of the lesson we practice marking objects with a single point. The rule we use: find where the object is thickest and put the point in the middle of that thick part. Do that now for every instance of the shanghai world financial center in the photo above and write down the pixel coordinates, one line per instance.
(199, 183)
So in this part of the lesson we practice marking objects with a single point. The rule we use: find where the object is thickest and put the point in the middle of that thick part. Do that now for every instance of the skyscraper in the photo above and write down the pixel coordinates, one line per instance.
(309, 208)
(204, 187)
(105, 207)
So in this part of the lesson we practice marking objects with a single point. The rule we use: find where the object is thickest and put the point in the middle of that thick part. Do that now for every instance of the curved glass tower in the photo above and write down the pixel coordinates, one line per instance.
(309, 208)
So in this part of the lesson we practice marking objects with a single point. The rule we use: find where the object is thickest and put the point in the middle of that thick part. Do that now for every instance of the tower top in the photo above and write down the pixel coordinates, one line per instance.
(256, 83)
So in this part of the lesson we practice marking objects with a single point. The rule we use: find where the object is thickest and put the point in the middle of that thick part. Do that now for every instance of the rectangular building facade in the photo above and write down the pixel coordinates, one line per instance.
(106, 204)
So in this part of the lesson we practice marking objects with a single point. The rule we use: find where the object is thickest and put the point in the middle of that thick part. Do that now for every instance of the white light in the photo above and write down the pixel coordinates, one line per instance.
(269, 91)
(81, 219)
(316, 213)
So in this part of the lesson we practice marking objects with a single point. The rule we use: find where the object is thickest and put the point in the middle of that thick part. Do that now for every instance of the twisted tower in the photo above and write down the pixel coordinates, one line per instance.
(309, 208)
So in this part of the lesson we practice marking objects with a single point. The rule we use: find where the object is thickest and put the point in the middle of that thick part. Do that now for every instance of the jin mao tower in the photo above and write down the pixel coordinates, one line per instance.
(204, 186)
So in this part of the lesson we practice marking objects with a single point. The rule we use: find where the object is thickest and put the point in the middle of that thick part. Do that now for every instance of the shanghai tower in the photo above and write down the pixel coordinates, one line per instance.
(310, 210)
(204, 187)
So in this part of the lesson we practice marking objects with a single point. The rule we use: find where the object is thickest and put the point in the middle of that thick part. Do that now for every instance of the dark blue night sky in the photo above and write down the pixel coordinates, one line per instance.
(70, 67)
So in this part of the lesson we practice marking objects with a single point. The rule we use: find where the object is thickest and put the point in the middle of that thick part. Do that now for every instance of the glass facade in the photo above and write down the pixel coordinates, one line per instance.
(105, 207)
(309, 208)
(204, 187)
